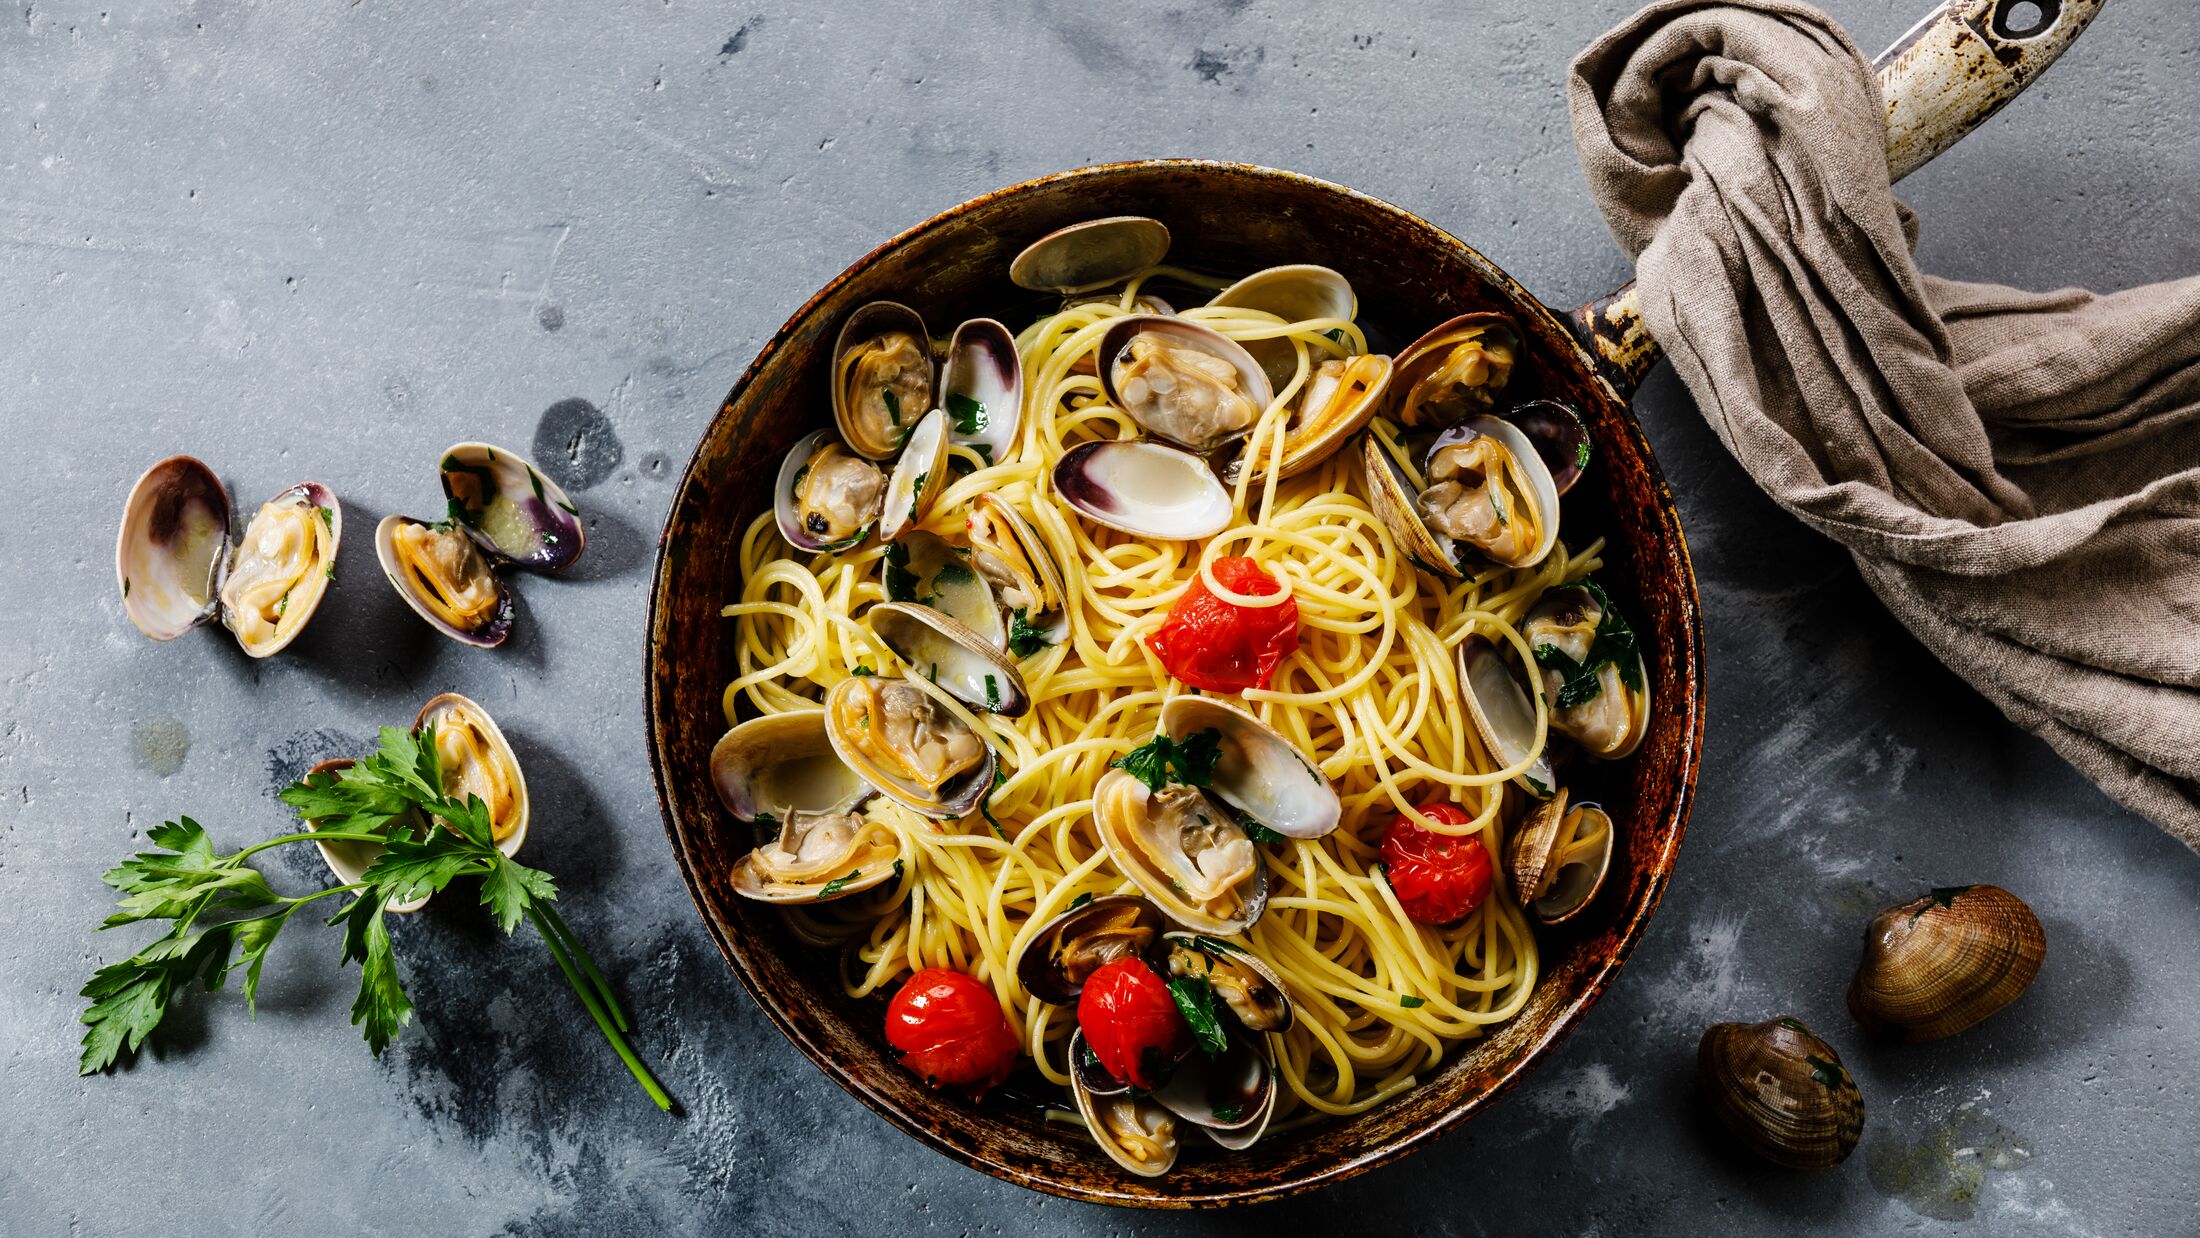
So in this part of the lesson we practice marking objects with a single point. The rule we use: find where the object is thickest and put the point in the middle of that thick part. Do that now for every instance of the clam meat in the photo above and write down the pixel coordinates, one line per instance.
(1065, 951)
(477, 762)
(1249, 988)
(1455, 371)
(818, 856)
(1606, 710)
(1182, 382)
(442, 575)
(282, 567)
(901, 740)
(828, 497)
(882, 377)
(1184, 850)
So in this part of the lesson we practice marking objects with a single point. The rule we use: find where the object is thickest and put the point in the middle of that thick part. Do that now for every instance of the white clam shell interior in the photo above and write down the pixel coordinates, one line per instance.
(1259, 772)
(1144, 488)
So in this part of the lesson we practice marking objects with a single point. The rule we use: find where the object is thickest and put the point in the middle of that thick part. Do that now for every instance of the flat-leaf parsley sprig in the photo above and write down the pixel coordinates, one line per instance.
(224, 916)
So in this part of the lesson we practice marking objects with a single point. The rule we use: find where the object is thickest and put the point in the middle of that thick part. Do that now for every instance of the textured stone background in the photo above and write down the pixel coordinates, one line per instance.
(325, 240)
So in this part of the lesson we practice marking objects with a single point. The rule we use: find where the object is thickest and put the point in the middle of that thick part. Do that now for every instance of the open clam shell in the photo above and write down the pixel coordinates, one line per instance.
(1089, 255)
(1560, 437)
(1252, 990)
(923, 567)
(282, 568)
(1011, 555)
(882, 377)
(963, 663)
(514, 513)
(1180, 381)
(446, 580)
(1503, 714)
(1259, 772)
(1501, 541)
(816, 857)
(348, 858)
(1298, 292)
(1143, 488)
(779, 764)
(1065, 951)
(1611, 724)
(1230, 1096)
(826, 498)
(173, 550)
(1559, 857)
(982, 388)
(1455, 371)
(1391, 494)
(897, 738)
(916, 477)
(1183, 850)
(477, 760)
(1338, 401)
(1135, 1131)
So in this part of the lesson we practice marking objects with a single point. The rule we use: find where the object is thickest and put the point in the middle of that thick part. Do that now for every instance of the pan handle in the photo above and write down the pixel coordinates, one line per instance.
(1955, 68)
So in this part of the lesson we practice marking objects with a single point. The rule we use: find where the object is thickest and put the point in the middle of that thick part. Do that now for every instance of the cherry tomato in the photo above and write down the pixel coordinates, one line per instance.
(1439, 878)
(950, 1030)
(1212, 644)
(1132, 1024)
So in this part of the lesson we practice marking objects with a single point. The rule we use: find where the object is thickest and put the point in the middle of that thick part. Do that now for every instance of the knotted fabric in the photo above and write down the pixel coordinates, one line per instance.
(2017, 474)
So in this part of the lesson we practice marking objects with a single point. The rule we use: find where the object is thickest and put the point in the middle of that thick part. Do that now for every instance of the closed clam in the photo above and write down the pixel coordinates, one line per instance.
(1183, 850)
(1781, 1091)
(1559, 857)
(923, 567)
(1180, 381)
(1142, 488)
(1089, 255)
(778, 764)
(514, 513)
(916, 477)
(1257, 771)
(826, 498)
(1942, 963)
(282, 568)
(815, 857)
(1065, 951)
(174, 547)
(899, 739)
(477, 762)
(1454, 372)
(443, 576)
(882, 377)
(1503, 714)
(1598, 699)
(963, 663)
(982, 389)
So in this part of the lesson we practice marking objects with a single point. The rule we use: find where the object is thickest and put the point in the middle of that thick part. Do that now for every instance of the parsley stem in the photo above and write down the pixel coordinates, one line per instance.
(357, 836)
(595, 1010)
(588, 966)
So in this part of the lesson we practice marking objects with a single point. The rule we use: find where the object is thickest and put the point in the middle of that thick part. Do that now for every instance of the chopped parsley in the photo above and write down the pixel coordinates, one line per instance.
(1024, 637)
(1535, 784)
(1228, 1113)
(1827, 1073)
(837, 884)
(861, 668)
(1941, 896)
(901, 583)
(1581, 453)
(1613, 644)
(952, 574)
(985, 804)
(993, 695)
(328, 517)
(1214, 946)
(917, 492)
(1410, 1002)
(969, 414)
(535, 479)
(126, 586)
(1497, 504)
(1080, 900)
(1162, 760)
(893, 404)
(1195, 999)
(1260, 833)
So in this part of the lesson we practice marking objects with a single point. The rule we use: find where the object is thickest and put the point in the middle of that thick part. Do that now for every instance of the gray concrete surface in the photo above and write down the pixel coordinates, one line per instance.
(325, 240)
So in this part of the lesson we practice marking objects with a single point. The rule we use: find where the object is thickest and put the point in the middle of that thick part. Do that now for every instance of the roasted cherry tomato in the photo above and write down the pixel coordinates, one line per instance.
(950, 1030)
(1212, 644)
(1439, 878)
(1132, 1024)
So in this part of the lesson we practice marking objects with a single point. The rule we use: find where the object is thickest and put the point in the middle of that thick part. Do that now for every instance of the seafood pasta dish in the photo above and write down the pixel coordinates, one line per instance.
(1167, 711)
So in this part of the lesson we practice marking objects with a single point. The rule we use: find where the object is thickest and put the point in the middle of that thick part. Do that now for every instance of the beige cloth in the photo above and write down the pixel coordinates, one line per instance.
(2017, 474)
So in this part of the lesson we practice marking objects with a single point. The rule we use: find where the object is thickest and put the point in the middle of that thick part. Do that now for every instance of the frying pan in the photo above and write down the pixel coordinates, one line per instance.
(1959, 65)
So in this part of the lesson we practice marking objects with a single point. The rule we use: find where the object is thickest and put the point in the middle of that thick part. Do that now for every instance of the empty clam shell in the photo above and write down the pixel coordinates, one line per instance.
(477, 761)
(349, 858)
(1230, 1096)
(1298, 292)
(282, 568)
(174, 547)
(446, 580)
(1559, 857)
(816, 857)
(897, 738)
(1064, 952)
(1258, 772)
(1503, 714)
(1143, 488)
(826, 498)
(922, 566)
(514, 513)
(882, 377)
(916, 477)
(1455, 371)
(782, 763)
(1089, 255)
(982, 388)
(1560, 437)
(963, 663)
(1181, 381)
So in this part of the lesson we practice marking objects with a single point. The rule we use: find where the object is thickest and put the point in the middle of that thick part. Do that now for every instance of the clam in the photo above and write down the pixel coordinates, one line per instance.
(1230, 1096)
(1559, 857)
(1559, 436)
(1609, 717)
(916, 477)
(1182, 848)
(1086, 1074)
(477, 762)
(1064, 952)
(1937, 965)
(1455, 371)
(1781, 1091)
(1143, 488)
(174, 547)
(444, 577)
(882, 377)
(1015, 560)
(1089, 255)
(827, 498)
(1135, 1132)
(349, 858)
(1258, 772)
(897, 738)
(1248, 986)
(923, 567)
(1338, 401)
(1487, 498)
(963, 663)
(1181, 381)
(1503, 714)
(982, 388)
(514, 513)
(1300, 292)
(282, 567)
(819, 856)
(778, 764)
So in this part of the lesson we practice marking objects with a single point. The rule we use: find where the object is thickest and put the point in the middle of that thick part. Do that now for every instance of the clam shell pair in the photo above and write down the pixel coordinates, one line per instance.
(177, 566)
(1559, 857)
(501, 512)
(1943, 963)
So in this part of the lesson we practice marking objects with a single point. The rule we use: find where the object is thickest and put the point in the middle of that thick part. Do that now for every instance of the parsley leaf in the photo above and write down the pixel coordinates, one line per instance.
(901, 583)
(1161, 760)
(969, 414)
(1410, 1002)
(893, 404)
(861, 669)
(1195, 999)
(993, 696)
(1581, 454)
(1080, 900)
(985, 805)
(1941, 896)
(837, 884)
(1612, 644)
(1024, 637)
(1828, 1074)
